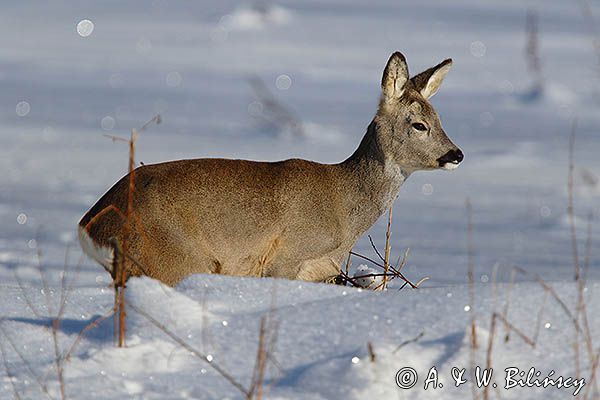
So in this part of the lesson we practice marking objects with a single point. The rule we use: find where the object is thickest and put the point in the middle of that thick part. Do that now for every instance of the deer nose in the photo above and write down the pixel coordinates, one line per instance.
(453, 157)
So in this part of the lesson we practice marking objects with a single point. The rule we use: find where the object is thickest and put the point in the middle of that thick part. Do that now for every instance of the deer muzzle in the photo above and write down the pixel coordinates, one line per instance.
(451, 159)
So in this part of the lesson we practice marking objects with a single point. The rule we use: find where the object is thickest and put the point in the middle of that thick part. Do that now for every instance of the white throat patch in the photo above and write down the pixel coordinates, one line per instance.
(394, 171)
(398, 176)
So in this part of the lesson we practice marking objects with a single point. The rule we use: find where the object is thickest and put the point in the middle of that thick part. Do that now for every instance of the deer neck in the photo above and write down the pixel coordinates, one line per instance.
(373, 181)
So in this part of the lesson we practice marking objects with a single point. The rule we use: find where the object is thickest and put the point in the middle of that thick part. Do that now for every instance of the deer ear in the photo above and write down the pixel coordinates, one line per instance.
(428, 82)
(394, 77)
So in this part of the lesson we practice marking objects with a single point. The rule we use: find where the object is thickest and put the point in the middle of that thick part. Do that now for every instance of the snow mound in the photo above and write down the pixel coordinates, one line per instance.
(318, 133)
(332, 342)
(171, 307)
(256, 17)
(365, 277)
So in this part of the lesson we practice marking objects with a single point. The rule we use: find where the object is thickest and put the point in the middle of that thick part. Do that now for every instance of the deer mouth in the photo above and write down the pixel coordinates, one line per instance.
(450, 166)
(450, 160)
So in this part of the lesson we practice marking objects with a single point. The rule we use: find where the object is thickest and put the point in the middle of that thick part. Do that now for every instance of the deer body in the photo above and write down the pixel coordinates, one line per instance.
(293, 219)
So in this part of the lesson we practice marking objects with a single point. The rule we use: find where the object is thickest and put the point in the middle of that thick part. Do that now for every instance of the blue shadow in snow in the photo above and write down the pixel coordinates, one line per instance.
(101, 333)
(292, 377)
(452, 344)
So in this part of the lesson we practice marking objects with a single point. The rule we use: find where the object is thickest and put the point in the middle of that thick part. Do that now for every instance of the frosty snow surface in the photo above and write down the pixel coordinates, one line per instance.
(71, 72)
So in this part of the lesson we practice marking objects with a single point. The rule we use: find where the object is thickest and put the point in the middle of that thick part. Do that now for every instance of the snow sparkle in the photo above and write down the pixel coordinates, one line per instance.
(283, 82)
(85, 27)
(22, 108)
(477, 49)
(22, 219)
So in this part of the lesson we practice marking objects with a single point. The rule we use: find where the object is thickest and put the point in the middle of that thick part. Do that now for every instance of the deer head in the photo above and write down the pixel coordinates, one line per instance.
(408, 127)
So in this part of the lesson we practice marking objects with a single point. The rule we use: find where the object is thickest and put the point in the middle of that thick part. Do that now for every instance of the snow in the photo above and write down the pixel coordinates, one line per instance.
(321, 349)
(255, 17)
(366, 277)
(71, 72)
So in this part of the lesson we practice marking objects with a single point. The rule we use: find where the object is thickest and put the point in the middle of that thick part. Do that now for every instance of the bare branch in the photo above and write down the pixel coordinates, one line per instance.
(191, 349)
(406, 342)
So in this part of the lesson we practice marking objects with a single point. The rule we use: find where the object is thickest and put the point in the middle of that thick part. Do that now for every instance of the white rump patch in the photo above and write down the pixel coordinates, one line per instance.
(450, 166)
(101, 254)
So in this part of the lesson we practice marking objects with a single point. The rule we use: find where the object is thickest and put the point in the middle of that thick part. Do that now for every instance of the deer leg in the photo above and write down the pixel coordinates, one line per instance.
(319, 270)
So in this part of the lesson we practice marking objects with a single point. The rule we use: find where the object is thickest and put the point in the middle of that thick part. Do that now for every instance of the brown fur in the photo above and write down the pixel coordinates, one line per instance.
(294, 219)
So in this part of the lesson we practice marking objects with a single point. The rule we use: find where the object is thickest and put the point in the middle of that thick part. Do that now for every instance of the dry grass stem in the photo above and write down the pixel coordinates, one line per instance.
(266, 342)
(388, 249)
(532, 49)
(539, 317)
(274, 112)
(513, 328)
(371, 351)
(570, 207)
(470, 275)
(586, 10)
(27, 364)
(94, 324)
(221, 371)
(11, 377)
(513, 273)
(406, 342)
(120, 267)
(581, 316)
(488, 358)
(471, 271)
(267, 338)
(349, 259)
(392, 272)
(593, 376)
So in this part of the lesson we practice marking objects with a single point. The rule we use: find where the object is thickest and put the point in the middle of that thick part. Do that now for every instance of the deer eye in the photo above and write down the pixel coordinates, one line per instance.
(419, 126)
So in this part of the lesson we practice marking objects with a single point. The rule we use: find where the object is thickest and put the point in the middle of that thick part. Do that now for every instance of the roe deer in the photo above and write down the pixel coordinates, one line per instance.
(294, 219)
